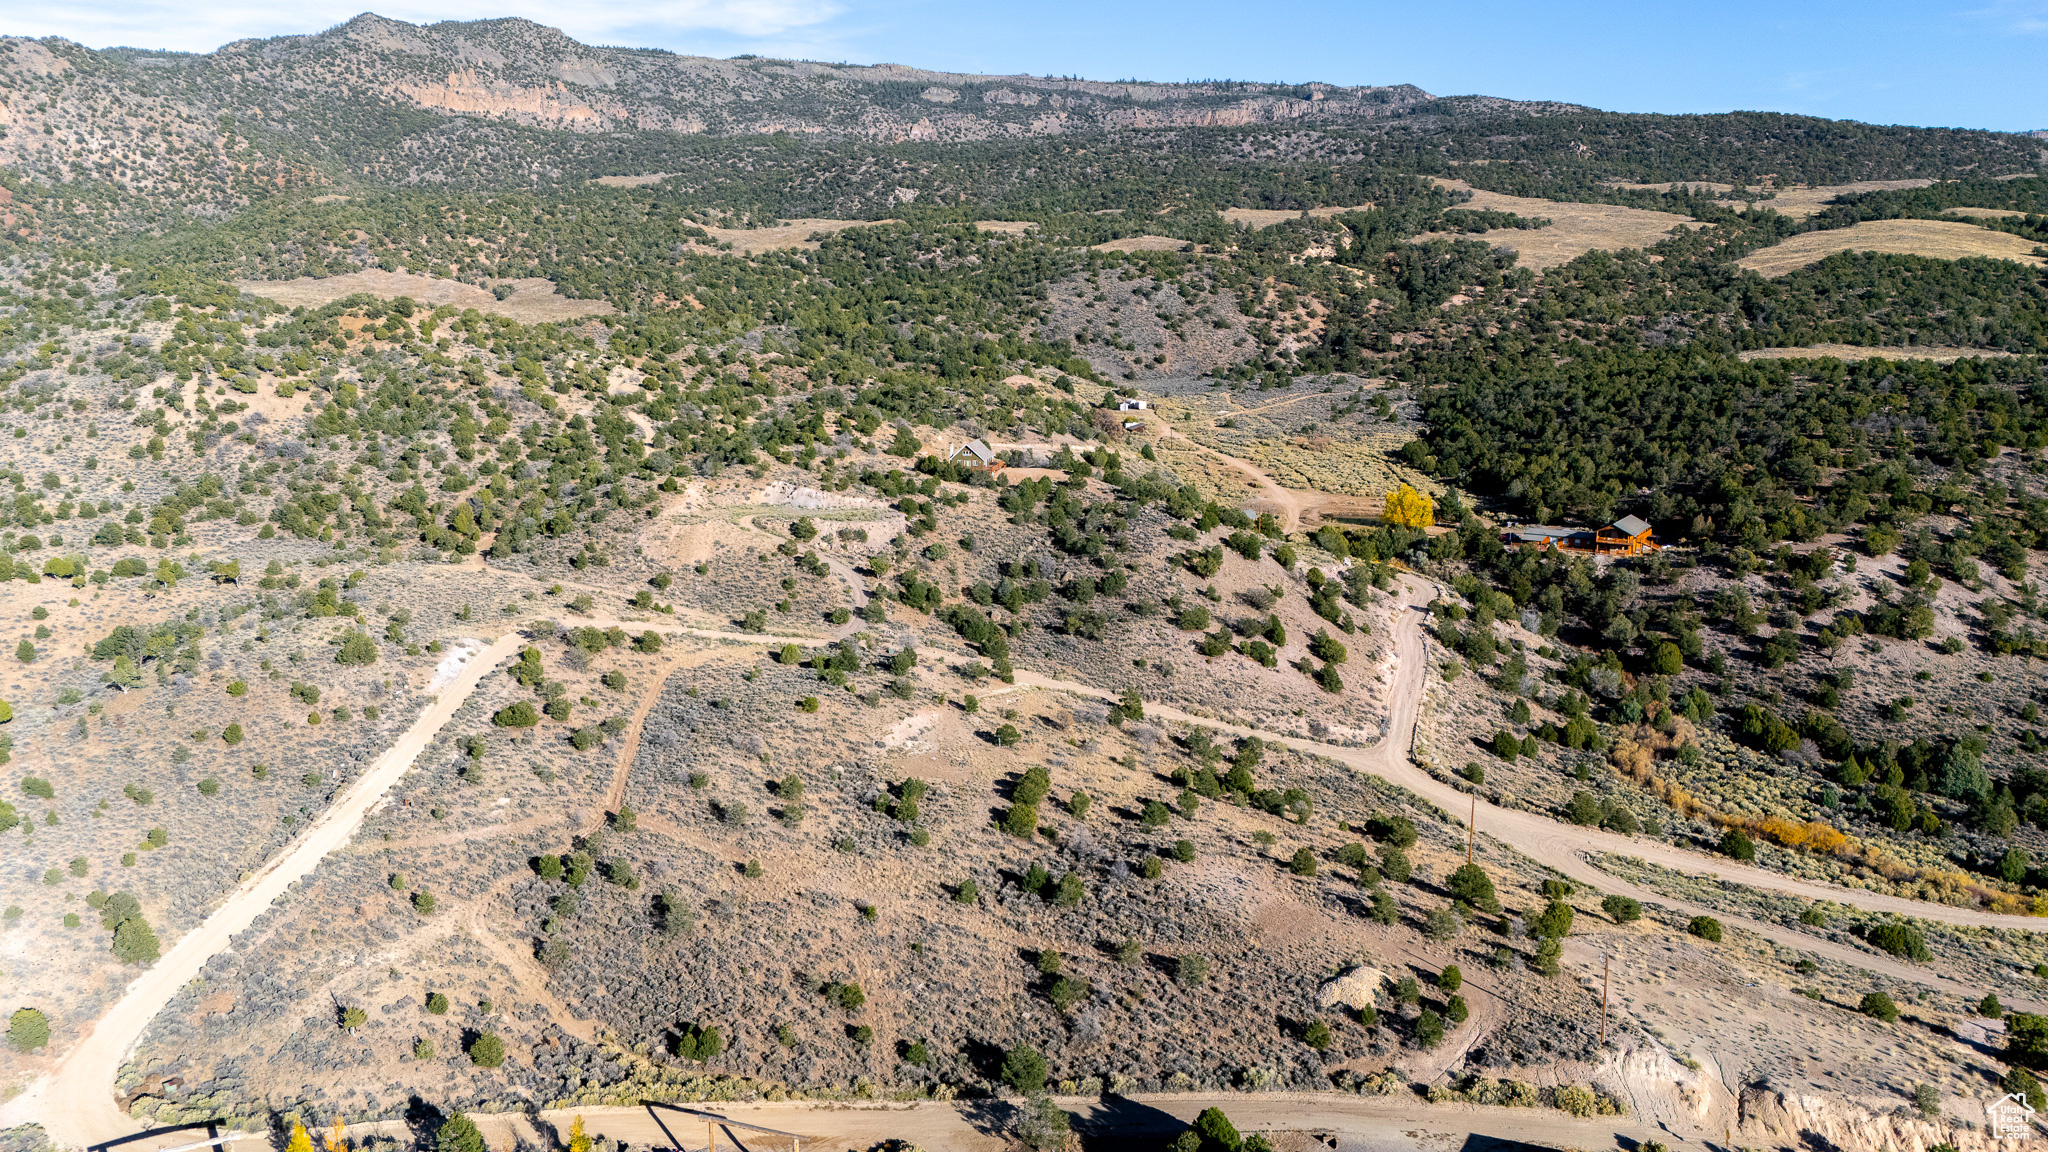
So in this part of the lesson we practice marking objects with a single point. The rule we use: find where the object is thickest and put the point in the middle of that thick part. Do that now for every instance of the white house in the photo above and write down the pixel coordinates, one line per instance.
(1133, 405)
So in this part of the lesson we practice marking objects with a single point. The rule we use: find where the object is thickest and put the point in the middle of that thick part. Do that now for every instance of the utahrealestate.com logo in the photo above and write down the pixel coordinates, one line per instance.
(2012, 1118)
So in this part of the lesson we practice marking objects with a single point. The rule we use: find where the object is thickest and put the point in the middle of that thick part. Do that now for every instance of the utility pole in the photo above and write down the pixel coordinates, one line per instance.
(1606, 983)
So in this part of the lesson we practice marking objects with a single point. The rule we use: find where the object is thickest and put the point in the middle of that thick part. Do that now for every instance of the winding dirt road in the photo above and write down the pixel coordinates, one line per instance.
(1564, 847)
(76, 1104)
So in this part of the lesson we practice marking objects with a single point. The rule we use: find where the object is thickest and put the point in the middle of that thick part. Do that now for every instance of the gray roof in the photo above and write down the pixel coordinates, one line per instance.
(980, 450)
(1630, 525)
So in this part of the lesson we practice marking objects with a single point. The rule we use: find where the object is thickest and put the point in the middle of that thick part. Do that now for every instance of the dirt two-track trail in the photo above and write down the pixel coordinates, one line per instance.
(76, 1103)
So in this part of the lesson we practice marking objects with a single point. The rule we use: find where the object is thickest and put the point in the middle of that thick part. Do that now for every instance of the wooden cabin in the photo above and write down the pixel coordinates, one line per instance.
(977, 455)
(1628, 536)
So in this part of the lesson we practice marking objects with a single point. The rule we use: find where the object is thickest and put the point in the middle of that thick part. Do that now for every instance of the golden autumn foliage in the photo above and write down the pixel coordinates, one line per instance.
(1406, 506)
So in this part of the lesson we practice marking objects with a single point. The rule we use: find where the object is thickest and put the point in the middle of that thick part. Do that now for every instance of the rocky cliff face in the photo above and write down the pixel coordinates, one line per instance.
(1768, 1112)
(1774, 1116)
(461, 103)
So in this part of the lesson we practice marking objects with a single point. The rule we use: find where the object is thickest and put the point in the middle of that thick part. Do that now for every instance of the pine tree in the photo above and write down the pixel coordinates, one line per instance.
(357, 649)
(459, 1134)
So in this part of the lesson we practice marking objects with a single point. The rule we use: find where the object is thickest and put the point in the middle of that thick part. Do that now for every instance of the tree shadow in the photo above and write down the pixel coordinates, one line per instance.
(1119, 1122)
(1479, 1142)
(984, 1057)
(424, 1119)
(989, 1116)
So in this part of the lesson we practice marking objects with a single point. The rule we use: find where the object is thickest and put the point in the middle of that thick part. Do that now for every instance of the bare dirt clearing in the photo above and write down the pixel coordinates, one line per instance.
(1012, 227)
(532, 301)
(1940, 239)
(1267, 217)
(1574, 230)
(793, 234)
(640, 181)
(1143, 244)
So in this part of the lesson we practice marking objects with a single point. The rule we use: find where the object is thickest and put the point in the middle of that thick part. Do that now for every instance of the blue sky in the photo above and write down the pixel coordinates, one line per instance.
(1972, 63)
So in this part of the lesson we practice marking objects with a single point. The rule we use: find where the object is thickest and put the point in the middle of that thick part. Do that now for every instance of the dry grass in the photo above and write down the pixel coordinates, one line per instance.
(1940, 354)
(1011, 227)
(794, 234)
(1801, 202)
(1575, 229)
(1941, 239)
(1798, 200)
(532, 301)
(1143, 244)
(1985, 213)
(639, 181)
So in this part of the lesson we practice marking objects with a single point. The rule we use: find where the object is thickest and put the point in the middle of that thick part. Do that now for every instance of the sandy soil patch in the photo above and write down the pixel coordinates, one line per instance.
(783, 494)
(330, 198)
(533, 300)
(704, 522)
(906, 734)
(795, 234)
(1013, 227)
(1940, 354)
(1942, 239)
(640, 181)
(451, 666)
(1575, 229)
(677, 544)
(1143, 244)
(1267, 217)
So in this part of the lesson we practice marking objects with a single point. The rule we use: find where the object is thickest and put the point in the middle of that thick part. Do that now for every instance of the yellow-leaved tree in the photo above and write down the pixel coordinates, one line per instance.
(1408, 507)
(578, 1142)
(301, 1141)
(336, 1140)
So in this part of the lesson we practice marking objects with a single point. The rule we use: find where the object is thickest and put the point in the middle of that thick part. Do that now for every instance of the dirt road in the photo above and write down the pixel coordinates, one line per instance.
(1376, 1123)
(1285, 501)
(75, 1104)
(1562, 847)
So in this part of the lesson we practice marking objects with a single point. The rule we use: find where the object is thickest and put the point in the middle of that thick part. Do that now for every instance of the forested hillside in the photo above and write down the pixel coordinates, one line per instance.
(946, 556)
